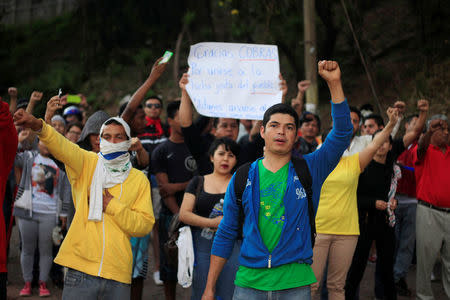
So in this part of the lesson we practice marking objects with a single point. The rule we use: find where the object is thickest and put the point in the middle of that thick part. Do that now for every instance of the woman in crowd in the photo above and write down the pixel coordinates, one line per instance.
(37, 208)
(337, 215)
(201, 196)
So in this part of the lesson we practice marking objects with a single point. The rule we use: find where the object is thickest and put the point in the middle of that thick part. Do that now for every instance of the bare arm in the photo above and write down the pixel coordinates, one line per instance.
(168, 190)
(143, 159)
(187, 216)
(283, 88)
(215, 268)
(139, 95)
(366, 155)
(411, 135)
(12, 92)
(298, 102)
(425, 140)
(185, 111)
(34, 98)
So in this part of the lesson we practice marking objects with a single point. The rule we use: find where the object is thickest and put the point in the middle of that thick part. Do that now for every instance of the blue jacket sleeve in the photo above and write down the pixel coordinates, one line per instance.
(228, 228)
(323, 161)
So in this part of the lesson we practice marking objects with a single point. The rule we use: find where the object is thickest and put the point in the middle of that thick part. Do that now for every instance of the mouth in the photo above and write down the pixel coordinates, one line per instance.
(224, 166)
(280, 141)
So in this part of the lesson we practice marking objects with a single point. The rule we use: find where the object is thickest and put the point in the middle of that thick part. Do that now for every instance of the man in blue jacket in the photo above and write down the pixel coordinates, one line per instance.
(276, 253)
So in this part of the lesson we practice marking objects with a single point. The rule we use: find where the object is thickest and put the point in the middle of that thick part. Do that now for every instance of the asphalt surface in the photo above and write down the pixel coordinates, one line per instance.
(152, 291)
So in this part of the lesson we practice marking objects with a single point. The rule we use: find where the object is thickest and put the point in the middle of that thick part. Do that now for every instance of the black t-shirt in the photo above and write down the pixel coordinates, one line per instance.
(375, 182)
(176, 161)
(205, 202)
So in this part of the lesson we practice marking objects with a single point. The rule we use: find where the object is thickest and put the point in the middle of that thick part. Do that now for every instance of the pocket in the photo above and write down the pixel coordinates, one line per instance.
(73, 278)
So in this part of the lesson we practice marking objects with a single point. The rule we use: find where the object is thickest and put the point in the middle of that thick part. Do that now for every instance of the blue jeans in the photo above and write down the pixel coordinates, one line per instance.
(79, 285)
(405, 232)
(225, 282)
(300, 293)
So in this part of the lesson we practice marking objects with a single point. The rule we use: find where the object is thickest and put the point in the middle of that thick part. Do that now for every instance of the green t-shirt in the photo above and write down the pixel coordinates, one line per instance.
(270, 223)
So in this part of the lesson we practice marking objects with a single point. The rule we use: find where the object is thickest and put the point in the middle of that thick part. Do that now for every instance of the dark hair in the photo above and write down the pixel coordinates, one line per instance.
(74, 124)
(306, 117)
(280, 108)
(156, 98)
(172, 108)
(377, 118)
(356, 111)
(367, 106)
(216, 121)
(409, 118)
(379, 130)
(228, 143)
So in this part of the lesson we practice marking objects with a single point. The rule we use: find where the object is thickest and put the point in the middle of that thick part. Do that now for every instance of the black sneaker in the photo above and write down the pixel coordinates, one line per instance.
(402, 288)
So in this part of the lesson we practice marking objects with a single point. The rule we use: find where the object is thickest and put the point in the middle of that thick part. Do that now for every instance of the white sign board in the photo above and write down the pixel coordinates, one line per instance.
(233, 80)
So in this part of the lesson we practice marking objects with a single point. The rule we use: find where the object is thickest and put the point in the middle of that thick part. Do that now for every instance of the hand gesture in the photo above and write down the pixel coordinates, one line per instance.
(135, 144)
(106, 198)
(26, 120)
(184, 81)
(36, 96)
(381, 205)
(303, 86)
(392, 114)
(435, 125)
(423, 105)
(283, 86)
(157, 69)
(12, 92)
(24, 134)
(329, 70)
(53, 104)
(63, 100)
(400, 106)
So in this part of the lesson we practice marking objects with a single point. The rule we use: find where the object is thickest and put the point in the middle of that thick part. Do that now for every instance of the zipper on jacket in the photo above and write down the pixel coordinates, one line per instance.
(103, 248)
(269, 263)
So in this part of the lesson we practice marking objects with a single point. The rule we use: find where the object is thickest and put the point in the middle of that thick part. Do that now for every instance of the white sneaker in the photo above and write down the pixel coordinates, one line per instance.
(156, 278)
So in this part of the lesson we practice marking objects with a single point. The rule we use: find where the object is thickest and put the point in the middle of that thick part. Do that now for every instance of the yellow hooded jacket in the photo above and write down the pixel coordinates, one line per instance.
(100, 248)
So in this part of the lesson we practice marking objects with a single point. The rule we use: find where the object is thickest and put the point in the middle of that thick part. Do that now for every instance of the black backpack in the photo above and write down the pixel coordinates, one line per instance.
(302, 170)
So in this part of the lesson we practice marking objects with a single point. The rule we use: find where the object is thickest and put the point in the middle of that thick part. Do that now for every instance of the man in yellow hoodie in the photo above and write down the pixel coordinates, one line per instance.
(111, 205)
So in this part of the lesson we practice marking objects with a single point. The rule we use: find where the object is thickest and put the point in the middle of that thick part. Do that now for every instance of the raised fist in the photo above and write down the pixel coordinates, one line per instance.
(392, 114)
(329, 70)
(400, 106)
(12, 92)
(26, 120)
(303, 85)
(423, 105)
(36, 96)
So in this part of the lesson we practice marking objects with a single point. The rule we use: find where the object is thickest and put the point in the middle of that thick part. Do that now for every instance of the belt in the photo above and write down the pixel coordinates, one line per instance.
(424, 203)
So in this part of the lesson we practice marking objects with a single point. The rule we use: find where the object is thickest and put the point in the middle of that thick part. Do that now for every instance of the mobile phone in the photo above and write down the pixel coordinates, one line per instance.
(75, 99)
(166, 57)
(59, 93)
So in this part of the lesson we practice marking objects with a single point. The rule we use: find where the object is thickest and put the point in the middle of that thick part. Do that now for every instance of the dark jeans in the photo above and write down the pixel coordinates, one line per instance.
(79, 285)
(373, 227)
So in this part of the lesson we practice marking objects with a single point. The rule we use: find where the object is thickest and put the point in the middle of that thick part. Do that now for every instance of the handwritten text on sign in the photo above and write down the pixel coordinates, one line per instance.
(233, 80)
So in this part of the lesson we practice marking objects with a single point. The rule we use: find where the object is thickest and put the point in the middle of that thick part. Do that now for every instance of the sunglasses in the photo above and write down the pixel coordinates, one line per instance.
(150, 105)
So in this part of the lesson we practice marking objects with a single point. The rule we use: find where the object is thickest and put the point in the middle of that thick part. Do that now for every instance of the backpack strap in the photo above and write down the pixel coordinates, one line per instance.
(302, 170)
(240, 182)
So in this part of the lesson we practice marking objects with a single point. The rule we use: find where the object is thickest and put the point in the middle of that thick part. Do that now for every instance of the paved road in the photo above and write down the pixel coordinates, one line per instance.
(153, 292)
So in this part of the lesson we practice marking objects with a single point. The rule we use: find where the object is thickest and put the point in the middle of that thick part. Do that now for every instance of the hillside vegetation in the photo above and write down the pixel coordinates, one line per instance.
(105, 49)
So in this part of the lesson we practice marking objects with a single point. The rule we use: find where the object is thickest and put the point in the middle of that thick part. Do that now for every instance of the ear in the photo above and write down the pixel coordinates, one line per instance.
(262, 131)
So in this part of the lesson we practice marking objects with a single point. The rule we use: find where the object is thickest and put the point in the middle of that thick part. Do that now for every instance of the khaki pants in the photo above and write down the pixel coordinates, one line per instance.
(338, 251)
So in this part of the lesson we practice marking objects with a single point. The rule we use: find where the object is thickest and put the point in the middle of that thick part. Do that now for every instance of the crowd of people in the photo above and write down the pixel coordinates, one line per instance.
(275, 208)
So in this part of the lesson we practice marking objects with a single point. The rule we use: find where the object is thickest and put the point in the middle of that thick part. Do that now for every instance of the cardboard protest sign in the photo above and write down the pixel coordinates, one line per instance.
(233, 80)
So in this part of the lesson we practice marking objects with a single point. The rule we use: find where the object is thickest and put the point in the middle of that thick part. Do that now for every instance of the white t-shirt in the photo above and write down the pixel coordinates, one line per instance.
(44, 182)
(357, 144)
